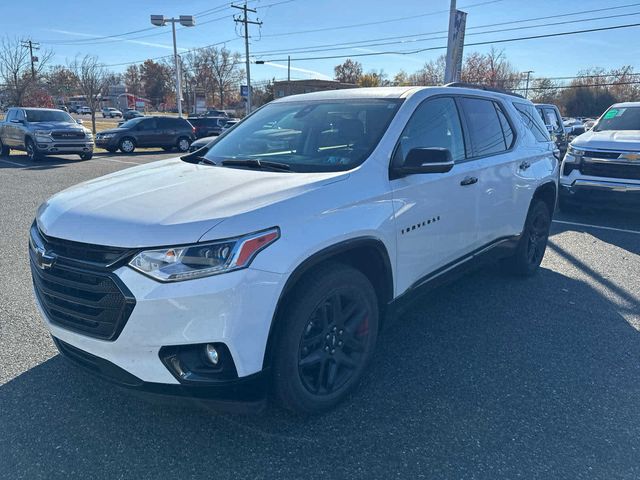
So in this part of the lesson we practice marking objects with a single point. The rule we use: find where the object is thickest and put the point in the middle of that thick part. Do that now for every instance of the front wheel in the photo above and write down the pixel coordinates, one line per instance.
(533, 243)
(325, 338)
(86, 156)
(127, 145)
(4, 150)
(32, 151)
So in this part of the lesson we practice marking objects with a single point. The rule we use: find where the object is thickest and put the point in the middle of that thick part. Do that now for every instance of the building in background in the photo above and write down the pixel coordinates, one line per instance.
(295, 87)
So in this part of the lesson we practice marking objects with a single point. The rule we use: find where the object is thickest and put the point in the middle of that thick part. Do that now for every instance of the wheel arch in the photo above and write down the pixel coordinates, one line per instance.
(366, 254)
(547, 192)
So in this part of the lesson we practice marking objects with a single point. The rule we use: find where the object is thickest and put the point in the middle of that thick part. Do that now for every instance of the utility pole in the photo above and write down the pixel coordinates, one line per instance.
(288, 68)
(32, 46)
(526, 89)
(244, 20)
(449, 67)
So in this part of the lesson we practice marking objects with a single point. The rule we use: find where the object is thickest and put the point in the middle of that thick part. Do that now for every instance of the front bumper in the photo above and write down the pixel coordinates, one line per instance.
(247, 393)
(234, 309)
(599, 192)
(107, 142)
(62, 147)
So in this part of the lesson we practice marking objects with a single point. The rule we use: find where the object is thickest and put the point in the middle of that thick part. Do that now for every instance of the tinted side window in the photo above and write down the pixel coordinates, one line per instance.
(148, 124)
(20, 114)
(435, 123)
(551, 118)
(506, 127)
(11, 114)
(532, 121)
(484, 126)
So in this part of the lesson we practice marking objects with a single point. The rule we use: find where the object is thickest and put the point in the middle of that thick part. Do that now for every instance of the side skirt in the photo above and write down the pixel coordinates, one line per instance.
(494, 251)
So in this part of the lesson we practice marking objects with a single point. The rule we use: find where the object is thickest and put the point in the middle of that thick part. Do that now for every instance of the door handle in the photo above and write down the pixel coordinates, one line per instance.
(524, 165)
(469, 181)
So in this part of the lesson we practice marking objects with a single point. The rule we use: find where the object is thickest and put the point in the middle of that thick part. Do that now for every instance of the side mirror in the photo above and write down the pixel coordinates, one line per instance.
(79, 121)
(426, 160)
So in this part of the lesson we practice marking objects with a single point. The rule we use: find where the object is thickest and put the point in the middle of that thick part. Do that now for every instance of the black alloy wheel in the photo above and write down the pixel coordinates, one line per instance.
(333, 344)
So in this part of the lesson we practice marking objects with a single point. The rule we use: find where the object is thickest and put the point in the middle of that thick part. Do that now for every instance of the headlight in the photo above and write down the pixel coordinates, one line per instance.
(174, 264)
(43, 133)
(106, 135)
(574, 155)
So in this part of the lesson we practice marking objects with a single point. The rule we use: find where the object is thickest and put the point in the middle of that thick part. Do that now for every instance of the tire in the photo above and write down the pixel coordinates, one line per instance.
(32, 151)
(167, 149)
(86, 156)
(325, 338)
(533, 242)
(111, 150)
(183, 144)
(127, 145)
(4, 150)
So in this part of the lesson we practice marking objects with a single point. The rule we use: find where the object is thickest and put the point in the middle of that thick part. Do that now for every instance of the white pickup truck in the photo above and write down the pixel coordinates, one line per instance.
(602, 166)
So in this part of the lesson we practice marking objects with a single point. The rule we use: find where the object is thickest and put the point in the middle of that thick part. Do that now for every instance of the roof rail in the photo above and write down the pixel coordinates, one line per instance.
(482, 87)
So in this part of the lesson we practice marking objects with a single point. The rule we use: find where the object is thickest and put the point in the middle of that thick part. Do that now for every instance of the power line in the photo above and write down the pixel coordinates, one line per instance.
(365, 43)
(366, 24)
(488, 42)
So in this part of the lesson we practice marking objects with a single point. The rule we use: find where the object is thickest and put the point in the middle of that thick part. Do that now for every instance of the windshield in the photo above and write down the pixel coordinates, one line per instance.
(131, 123)
(619, 118)
(309, 136)
(48, 116)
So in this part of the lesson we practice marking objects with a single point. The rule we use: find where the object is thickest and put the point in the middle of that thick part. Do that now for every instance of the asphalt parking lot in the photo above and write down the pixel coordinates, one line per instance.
(490, 377)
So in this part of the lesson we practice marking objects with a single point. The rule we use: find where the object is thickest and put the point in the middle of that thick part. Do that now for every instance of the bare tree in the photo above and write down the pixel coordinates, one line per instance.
(92, 78)
(225, 69)
(348, 72)
(15, 68)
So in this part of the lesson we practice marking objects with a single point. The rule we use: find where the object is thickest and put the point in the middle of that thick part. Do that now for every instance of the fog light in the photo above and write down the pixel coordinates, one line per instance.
(212, 354)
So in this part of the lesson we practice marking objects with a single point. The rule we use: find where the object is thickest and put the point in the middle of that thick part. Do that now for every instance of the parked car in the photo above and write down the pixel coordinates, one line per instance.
(215, 113)
(111, 112)
(129, 114)
(201, 142)
(266, 263)
(573, 127)
(208, 126)
(44, 131)
(553, 121)
(602, 166)
(230, 123)
(145, 132)
(589, 123)
(63, 108)
(84, 111)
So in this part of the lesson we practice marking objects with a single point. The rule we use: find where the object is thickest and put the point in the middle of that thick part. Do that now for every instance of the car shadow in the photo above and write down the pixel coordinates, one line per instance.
(17, 161)
(489, 377)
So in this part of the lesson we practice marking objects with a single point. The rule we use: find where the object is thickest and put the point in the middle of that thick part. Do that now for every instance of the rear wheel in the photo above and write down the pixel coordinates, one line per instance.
(184, 144)
(32, 151)
(127, 145)
(326, 337)
(533, 243)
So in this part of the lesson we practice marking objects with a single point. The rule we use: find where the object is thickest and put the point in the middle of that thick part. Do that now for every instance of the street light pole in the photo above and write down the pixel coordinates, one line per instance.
(185, 21)
(178, 73)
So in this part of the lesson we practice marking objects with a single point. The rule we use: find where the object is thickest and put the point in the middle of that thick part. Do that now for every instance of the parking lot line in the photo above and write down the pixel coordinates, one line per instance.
(601, 227)
(13, 163)
(121, 161)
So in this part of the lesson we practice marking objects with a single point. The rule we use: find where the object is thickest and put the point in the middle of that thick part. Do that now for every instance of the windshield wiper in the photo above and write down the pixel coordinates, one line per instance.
(255, 163)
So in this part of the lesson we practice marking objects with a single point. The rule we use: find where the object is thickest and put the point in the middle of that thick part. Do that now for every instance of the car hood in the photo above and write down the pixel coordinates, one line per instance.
(113, 130)
(609, 140)
(55, 126)
(168, 202)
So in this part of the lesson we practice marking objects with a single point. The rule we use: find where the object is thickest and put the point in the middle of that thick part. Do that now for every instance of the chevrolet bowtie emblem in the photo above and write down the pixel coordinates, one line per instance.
(44, 259)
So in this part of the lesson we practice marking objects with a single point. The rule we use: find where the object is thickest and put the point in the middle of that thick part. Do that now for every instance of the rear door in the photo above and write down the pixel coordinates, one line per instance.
(436, 214)
(492, 145)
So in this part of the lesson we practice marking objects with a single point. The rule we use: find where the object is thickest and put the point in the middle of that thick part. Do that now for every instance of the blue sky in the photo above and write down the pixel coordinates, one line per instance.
(66, 26)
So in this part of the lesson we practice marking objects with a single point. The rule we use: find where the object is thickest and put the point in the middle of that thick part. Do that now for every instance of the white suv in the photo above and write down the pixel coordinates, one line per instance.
(265, 261)
(602, 166)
